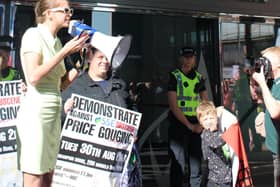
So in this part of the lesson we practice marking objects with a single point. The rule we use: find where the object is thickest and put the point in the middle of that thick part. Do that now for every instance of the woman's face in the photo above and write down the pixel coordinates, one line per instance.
(61, 14)
(99, 64)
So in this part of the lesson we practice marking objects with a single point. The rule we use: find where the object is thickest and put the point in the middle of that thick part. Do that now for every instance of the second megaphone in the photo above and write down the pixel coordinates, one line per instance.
(114, 48)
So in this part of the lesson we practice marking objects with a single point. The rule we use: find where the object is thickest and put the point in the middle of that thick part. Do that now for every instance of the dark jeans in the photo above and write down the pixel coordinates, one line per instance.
(133, 174)
(185, 152)
(213, 184)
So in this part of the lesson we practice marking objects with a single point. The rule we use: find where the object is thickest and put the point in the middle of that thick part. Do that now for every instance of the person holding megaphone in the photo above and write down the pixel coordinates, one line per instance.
(39, 120)
(115, 48)
(100, 83)
(103, 56)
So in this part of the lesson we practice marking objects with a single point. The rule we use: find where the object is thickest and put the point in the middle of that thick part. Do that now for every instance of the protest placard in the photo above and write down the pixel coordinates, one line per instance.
(10, 96)
(96, 144)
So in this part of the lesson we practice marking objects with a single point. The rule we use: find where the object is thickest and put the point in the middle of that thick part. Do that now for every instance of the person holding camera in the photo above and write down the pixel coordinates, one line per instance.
(38, 119)
(271, 99)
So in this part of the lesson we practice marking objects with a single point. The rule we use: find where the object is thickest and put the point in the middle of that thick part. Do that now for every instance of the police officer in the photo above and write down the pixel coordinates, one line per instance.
(7, 73)
(186, 88)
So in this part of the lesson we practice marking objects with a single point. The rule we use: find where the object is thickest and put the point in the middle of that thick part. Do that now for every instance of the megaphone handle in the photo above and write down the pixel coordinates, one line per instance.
(84, 52)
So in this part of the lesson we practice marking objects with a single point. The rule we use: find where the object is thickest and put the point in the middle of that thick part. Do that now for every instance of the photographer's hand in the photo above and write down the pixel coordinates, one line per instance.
(271, 104)
(259, 77)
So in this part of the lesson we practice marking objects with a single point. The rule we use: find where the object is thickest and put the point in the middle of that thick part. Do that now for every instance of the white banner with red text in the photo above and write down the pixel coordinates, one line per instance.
(10, 96)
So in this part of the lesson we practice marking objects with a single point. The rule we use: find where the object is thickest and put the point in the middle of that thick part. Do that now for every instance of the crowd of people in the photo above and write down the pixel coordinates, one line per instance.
(194, 132)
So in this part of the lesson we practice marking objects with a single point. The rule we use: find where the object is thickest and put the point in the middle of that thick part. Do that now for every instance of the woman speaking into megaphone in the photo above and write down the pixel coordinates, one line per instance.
(38, 121)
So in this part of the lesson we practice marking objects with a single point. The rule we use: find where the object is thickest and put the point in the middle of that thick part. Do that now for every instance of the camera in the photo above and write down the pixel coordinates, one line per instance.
(254, 65)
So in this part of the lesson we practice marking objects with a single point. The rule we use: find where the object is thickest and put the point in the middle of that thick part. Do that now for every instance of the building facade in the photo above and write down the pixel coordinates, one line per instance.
(225, 34)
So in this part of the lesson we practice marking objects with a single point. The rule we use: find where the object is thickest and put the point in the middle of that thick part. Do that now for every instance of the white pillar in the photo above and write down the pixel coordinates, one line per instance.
(102, 22)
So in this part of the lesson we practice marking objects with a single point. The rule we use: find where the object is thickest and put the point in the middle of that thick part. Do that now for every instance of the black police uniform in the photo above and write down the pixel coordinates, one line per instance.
(184, 144)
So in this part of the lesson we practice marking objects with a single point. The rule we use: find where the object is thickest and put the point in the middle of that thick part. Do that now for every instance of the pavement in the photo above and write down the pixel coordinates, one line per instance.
(261, 169)
(155, 168)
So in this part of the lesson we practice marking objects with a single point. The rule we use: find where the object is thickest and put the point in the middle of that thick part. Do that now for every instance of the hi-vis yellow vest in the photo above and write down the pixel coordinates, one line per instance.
(187, 99)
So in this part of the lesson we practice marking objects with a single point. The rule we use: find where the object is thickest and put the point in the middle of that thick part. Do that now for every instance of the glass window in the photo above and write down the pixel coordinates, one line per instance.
(2, 18)
(240, 44)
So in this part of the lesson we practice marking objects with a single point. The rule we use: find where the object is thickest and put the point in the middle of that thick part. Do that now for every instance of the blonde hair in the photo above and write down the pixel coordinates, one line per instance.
(206, 108)
(273, 49)
(273, 52)
(41, 7)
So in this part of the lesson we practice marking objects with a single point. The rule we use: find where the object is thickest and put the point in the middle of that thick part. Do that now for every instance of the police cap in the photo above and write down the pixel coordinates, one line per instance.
(6, 42)
(187, 51)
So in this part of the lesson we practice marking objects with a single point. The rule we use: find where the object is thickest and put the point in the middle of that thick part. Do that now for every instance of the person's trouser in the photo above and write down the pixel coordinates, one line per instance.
(188, 150)
(133, 175)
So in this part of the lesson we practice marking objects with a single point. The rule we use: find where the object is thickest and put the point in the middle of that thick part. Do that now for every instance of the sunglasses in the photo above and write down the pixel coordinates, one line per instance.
(64, 10)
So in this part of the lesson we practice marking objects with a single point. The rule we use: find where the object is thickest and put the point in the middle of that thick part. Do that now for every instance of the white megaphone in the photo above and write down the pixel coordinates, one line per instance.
(114, 48)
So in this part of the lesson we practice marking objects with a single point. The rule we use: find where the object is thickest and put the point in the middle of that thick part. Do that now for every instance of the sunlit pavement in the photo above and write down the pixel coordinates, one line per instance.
(155, 168)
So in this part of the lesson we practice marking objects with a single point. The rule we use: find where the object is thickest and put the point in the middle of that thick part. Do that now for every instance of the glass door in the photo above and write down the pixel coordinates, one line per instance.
(242, 40)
